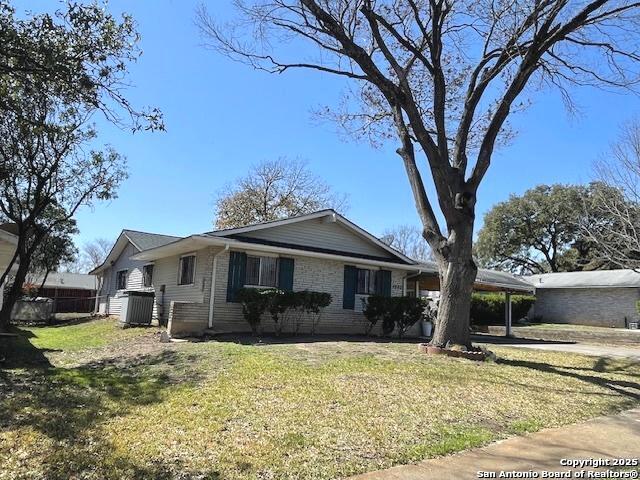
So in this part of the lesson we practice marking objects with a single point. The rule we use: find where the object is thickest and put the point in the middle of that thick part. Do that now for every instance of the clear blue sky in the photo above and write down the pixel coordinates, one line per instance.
(222, 117)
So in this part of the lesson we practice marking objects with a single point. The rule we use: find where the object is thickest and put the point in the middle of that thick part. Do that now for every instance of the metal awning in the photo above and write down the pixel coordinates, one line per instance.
(486, 280)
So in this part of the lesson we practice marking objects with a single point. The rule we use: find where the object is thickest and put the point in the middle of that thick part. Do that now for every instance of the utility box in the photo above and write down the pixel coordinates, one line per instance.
(137, 307)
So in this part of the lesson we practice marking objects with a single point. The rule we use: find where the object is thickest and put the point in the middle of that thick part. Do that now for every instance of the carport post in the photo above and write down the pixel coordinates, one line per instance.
(507, 313)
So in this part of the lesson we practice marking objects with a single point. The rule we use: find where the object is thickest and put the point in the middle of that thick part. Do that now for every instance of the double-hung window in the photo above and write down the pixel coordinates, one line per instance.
(121, 279)
(147, 275)
(262, 271)
(187, 270)
(366, 284)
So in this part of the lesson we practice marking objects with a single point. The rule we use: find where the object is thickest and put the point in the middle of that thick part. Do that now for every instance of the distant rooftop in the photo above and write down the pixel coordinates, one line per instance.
(145, 241)
(79, 281)
(591, 279)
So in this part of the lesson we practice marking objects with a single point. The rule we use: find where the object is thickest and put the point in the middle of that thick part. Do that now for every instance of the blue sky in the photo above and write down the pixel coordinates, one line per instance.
(222, 117)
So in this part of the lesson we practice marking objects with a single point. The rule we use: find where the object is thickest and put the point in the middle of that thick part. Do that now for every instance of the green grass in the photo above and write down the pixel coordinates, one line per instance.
(299, 410)
(91, 334)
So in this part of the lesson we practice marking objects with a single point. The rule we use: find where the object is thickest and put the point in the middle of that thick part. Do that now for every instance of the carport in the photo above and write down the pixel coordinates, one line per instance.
(486, 281)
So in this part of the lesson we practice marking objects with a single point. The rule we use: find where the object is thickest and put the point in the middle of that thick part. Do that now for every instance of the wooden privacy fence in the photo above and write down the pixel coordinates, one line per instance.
(70, 300)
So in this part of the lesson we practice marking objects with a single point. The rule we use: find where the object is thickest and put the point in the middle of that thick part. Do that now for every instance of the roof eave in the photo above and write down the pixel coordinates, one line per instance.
(196, 242)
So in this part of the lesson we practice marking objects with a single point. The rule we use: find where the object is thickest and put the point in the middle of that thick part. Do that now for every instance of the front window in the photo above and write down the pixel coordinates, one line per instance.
(121, 279)
(262, 271)
(366, 282)
(147, 275)
(187, 270)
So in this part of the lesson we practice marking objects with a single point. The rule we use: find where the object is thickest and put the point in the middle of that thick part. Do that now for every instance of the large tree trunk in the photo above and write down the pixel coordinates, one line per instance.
(15, 292)
(457, 272)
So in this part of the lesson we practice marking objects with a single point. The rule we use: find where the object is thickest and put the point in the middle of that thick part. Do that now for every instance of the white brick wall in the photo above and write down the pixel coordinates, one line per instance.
(605, 307)
(311, 274)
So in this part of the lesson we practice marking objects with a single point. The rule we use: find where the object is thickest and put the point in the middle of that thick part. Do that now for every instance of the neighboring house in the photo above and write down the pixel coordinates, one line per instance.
(71, 292)
(8, 242)
(604, 298)
(196, 278)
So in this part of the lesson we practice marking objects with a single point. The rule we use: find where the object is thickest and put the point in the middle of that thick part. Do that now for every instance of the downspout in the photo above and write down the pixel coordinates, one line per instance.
(213, 282)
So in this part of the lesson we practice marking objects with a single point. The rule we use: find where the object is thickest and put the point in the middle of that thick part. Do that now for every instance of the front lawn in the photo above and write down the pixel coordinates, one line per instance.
(137, 408)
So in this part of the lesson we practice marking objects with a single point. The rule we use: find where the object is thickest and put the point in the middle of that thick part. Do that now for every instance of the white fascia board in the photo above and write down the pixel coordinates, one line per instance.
(507, 286)
(203, 241)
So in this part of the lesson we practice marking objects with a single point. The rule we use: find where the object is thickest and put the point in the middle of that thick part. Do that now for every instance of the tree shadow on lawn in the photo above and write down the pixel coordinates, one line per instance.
(18, 352)
(624, 388)
(68, 407)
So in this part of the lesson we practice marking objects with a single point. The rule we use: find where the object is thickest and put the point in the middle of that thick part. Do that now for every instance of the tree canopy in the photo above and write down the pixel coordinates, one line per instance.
(542, 230)
(273, 190)
(79, 55)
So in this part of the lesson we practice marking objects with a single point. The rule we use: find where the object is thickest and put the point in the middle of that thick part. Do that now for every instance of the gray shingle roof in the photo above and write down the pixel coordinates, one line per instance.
(145, 241)
(79, 281)
(592, 279)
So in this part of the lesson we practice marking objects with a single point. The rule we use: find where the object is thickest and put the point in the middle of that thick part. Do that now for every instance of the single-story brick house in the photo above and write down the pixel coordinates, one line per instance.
(605, 298)
(195, 278)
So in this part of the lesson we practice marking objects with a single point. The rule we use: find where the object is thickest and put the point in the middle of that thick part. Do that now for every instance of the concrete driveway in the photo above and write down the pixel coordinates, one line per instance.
(627, 352)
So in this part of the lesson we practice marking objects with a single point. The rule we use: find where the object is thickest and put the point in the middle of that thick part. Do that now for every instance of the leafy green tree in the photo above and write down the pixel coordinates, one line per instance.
(56, 250)
(79, 55)
(56, 72)
(47, 174)
(540, 231)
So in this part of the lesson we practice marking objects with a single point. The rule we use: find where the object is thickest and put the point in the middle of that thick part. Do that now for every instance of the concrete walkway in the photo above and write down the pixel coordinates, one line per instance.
(609, 351)
(616, 436)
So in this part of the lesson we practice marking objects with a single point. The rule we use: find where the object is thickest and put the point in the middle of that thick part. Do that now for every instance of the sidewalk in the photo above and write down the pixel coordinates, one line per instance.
(616, 436)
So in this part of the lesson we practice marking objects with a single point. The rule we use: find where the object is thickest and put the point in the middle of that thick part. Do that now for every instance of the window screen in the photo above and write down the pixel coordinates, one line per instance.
(187, 270)
(366, 282)
(262, 271)
(121, 280)
(147, 275)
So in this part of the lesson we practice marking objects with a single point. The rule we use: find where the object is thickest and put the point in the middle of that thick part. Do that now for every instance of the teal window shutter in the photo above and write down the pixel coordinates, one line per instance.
(383, 283)
(349, 289)
(237, 274)
(285, 274)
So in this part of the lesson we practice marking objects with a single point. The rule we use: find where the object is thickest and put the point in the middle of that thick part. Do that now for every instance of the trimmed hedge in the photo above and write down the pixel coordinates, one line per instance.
(285, 308)
(488, 308)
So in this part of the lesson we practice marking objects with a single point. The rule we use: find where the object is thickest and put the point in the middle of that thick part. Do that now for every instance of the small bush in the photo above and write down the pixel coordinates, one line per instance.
(489, 308)
(393, 312)
(254, 303)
